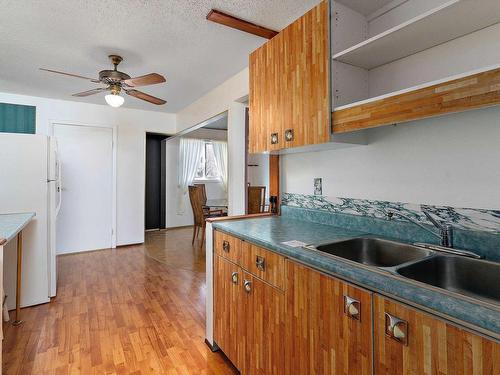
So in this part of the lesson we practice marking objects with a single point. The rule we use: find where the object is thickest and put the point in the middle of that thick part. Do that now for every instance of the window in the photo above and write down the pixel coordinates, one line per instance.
(207, 166)
(17, 118)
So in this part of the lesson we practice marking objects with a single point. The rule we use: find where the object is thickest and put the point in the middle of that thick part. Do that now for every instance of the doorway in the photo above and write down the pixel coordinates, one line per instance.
(85, 221)
(155, 197)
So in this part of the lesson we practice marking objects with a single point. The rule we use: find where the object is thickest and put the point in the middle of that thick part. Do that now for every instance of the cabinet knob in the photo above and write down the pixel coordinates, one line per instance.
(396, 329)
(274, 138)
(226, 246)
(234, 277)
(289, 135)
(352, 308)
(248, 286)
(260, 262)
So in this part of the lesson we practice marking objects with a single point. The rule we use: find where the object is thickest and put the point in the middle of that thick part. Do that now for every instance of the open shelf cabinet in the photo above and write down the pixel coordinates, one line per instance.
(446, 22)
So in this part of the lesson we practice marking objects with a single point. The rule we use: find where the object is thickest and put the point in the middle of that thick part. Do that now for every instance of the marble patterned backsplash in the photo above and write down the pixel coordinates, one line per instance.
(463, 218)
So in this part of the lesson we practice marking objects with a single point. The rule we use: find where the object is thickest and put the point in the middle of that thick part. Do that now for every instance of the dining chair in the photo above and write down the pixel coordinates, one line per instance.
(256, 199)
(199, 213)
(203, 190)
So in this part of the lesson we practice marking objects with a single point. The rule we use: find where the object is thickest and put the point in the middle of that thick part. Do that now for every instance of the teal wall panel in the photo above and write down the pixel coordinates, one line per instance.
(16, 118)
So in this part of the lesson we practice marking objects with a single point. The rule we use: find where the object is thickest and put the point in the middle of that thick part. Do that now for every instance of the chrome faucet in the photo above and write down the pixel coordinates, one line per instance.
(445, 233)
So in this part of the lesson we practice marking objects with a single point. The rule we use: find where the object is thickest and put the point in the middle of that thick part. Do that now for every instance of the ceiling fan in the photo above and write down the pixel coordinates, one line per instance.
(117, 81)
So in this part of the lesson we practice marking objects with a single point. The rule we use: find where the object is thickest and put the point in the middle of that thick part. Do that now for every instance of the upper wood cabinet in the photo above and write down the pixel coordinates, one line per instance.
(328, 325)
(290, 85)
(408, 63)
(409, 342)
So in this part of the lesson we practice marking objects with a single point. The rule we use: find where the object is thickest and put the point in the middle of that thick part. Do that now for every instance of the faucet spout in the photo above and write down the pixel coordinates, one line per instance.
(445, 233)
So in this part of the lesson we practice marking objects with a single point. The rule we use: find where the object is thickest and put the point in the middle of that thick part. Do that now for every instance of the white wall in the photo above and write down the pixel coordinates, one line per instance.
(450, 160)
(132, 126)
(226, 97)
(258, 173)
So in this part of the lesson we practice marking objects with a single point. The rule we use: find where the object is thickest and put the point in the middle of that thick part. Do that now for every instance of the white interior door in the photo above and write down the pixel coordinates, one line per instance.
(85, 219)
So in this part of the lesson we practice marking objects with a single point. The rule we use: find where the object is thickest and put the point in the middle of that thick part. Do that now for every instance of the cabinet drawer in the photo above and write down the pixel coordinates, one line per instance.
(228, 247)
(264, 264)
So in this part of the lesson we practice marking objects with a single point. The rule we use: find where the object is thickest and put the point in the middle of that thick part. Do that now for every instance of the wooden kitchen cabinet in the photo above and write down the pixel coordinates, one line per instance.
(289, 95)
(248, 314)
(408, 341)
(328, 325)
(262, 327)
(227, 246)
(227, 309)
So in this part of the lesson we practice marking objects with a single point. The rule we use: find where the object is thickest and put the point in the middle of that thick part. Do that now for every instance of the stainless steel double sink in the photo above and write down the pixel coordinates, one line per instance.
(474, 278)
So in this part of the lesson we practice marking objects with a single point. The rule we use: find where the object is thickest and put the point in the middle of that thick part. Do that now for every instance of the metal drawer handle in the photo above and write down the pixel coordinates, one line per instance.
(352, 308)
(248, 286)
(396, 329)
(260, 262)
(226, 246)
(289, 135)
(234, 277)
(274, 138)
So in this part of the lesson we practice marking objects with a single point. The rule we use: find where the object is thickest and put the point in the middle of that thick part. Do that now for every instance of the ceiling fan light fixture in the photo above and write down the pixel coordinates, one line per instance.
(114, 100)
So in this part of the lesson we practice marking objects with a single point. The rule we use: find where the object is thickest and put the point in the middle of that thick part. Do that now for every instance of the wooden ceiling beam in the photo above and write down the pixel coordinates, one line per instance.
(242, 25)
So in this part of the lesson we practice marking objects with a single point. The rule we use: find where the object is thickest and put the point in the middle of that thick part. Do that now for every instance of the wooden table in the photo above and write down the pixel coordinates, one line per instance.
(11, 226)
(216, 203)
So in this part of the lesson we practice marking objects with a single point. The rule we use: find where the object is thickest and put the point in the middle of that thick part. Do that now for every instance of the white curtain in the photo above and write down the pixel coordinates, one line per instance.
(190, 152)
(220, 151)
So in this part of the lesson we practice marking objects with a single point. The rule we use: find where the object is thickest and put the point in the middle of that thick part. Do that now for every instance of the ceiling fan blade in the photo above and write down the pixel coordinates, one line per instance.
(69, 74)
(148, 79)
(91, 92)
(142, 95)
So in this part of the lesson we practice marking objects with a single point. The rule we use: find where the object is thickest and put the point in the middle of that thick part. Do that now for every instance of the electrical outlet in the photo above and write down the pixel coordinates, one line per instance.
(318, 186)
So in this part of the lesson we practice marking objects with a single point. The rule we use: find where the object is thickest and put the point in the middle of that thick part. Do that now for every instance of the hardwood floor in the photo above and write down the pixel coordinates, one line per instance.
(121, 312)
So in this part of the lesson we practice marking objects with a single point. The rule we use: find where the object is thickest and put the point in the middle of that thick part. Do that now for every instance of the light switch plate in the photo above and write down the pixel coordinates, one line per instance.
(318, 186)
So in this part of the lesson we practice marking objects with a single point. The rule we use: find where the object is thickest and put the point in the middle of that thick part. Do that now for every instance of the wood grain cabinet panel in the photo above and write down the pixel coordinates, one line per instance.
(320, 336)
(263, 333)
(227, 246)
(258, 135)
(289, 85)
(227, 312)
(462, 94)
(263, 263)
(433, 346)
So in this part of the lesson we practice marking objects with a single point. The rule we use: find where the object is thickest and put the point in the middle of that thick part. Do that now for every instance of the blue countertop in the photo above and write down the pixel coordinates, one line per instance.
(271, 232)
(12, 224)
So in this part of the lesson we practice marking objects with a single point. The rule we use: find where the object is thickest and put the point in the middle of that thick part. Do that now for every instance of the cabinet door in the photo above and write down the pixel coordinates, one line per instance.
(265, 97)
(408, 341)
(306, 78)
(257, 129)
(263, 332)
(227, 246)
(227, 301)
(290, 85)
(322, 336)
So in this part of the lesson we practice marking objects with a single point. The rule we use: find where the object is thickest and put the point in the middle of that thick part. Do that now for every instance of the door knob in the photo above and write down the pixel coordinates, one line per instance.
(396, 328)
(248, 286)
(352, 308)
(260, 263)
(274, 138)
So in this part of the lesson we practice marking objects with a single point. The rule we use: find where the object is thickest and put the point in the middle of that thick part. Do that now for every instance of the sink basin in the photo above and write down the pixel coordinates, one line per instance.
(479, 279)
(374, 251)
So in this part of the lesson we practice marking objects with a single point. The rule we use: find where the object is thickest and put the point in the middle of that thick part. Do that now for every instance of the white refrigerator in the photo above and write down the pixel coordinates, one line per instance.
(29, 182)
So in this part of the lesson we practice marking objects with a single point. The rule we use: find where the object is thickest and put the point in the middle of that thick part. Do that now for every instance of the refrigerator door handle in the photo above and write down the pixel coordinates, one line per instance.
(59, 188)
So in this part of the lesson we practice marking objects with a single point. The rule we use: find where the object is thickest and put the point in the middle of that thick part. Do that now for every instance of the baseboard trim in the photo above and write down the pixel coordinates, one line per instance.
(214, 348)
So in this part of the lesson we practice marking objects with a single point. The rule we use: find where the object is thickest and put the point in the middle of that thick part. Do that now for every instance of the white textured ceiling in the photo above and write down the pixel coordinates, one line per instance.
(170, 37)
(365, 7)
